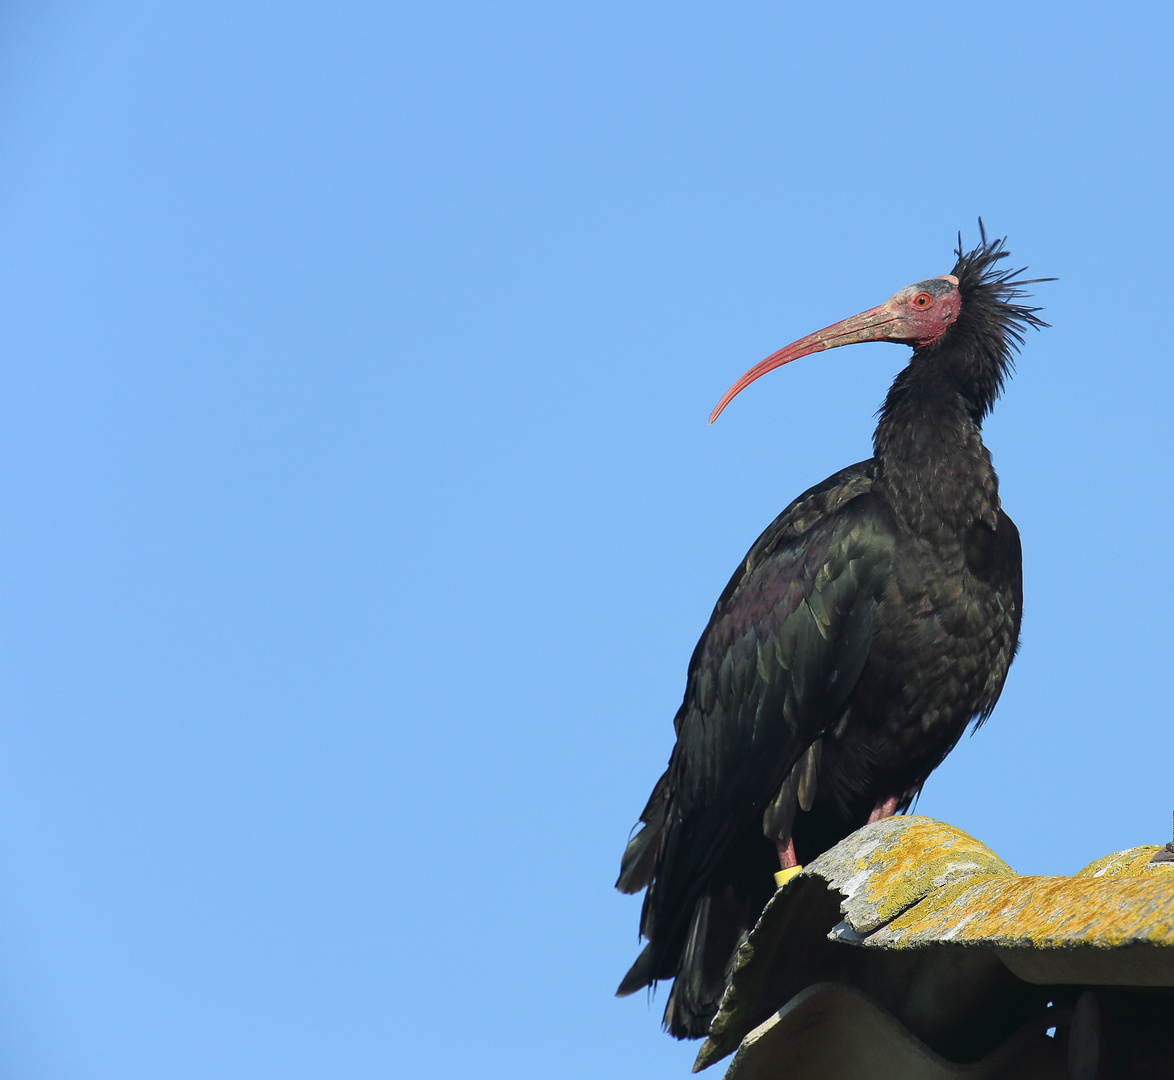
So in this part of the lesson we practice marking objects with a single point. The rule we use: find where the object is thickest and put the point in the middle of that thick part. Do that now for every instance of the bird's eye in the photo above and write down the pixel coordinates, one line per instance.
(922, 300)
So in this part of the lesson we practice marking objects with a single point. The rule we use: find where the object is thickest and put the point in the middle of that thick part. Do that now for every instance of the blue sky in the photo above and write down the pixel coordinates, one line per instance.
(358, 512)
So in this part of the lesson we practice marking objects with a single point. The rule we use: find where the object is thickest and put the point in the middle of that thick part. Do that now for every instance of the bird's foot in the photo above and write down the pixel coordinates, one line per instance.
(883, 809)
(788, 862)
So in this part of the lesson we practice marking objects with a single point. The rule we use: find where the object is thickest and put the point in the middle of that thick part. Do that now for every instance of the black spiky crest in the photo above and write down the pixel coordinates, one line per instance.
(990, 326)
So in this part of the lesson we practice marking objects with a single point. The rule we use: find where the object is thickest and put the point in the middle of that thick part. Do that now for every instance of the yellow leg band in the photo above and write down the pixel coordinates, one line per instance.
(783, 876)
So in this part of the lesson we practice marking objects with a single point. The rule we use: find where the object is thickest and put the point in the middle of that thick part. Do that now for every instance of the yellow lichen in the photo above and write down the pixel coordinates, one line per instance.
(1040, 912)
(922, 858)
(1132, 862)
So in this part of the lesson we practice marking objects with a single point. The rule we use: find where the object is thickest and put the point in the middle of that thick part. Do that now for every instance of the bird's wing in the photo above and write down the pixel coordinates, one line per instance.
(773, 669)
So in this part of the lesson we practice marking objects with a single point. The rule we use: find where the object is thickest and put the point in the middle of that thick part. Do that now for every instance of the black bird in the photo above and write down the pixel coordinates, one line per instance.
(875, 618)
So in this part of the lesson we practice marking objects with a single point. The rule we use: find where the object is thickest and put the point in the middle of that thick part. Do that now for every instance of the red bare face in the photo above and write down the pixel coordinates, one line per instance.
(923, 311)
(917, 315)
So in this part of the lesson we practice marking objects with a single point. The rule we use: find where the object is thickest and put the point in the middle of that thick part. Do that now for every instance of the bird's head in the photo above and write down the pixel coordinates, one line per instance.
(920, 314)
(917, 315)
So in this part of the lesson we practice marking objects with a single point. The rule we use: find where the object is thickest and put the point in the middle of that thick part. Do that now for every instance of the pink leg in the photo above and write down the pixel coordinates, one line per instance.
(883, 809)
(787, 854)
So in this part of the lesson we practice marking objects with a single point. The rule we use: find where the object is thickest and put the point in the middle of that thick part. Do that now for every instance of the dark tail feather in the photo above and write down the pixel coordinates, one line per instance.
(721, 922)
(695, 944)
(639, 859)
(697, 987)
(701, 976)
(640, 974)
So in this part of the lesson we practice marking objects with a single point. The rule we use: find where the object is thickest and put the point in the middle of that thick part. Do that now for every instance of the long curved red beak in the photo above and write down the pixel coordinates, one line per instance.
(871, 325)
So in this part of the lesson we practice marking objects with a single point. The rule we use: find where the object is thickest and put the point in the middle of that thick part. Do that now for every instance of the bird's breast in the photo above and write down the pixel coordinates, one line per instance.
(946, 632)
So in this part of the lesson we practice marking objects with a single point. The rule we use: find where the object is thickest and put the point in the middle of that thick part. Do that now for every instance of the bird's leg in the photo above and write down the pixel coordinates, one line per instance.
(786, 851)
(883, 809)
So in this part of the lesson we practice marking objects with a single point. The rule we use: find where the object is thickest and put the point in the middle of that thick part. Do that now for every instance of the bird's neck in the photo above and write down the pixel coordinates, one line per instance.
(932, 467)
